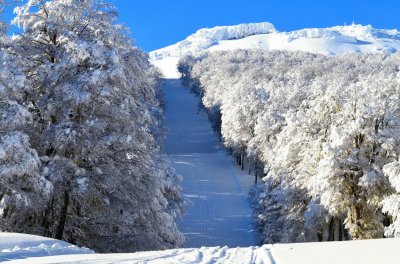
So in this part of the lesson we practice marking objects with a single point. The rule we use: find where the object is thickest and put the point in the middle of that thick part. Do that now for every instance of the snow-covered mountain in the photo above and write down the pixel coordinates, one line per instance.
(328, 41)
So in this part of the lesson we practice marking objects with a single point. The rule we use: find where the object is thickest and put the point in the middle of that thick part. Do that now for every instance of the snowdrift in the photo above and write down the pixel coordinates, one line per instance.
(19, 246)
(327, 41)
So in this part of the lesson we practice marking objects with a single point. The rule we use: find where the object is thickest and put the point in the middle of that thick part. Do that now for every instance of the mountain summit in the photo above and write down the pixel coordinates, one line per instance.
(329, 41)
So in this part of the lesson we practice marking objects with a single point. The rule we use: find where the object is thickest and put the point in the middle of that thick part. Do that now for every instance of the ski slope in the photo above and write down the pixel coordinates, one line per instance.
(328, 41)
(219, 213)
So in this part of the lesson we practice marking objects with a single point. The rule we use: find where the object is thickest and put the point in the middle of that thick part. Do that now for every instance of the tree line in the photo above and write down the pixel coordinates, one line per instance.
(323, 132)
(81, 124)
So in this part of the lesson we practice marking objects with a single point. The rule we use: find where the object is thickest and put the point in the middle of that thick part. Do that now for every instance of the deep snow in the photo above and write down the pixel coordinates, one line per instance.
(219, 213)
(328, 41)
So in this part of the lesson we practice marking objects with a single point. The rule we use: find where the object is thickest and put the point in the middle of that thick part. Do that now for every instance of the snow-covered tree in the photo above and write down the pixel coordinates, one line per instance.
(391, 203)
(97, 119)
(23, 190)
(323, 129)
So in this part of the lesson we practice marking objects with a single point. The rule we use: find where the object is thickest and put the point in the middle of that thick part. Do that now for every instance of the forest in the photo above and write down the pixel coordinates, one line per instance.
(81, 125)
(322, 132)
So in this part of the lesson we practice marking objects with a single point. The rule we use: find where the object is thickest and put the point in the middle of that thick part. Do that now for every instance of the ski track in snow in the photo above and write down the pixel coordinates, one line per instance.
(354, 252)
(219, 213)
(204, 255)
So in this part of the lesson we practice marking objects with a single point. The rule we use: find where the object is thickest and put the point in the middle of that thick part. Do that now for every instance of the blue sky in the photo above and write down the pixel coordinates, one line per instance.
(158, 23)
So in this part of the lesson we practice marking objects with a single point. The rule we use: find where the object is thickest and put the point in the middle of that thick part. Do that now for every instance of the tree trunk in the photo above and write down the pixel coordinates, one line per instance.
(320, 235)
(331, 236)
(346, 235)
(241, 159)
(340, 227)
(255, 171)
(63, 217)
(249, 161)
(48, 213)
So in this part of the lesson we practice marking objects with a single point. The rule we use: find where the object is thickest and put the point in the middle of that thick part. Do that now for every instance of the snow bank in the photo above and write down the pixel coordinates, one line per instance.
(355, 252)
(328, 41)
(19, 246)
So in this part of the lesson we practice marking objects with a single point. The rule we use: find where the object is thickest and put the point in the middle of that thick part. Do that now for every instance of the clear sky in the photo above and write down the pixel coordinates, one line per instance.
(158, 23)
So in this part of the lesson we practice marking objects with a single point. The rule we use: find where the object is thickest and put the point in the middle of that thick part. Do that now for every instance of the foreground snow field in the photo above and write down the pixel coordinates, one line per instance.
(219, 213)
(367, 251)
(19, 246)
(328, 41)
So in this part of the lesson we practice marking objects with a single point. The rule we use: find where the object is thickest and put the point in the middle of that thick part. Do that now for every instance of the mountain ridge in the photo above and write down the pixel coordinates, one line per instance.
(328, 41)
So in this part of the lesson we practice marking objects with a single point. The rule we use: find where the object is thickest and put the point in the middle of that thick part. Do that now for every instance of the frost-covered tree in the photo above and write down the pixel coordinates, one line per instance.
(97, 123)
(23, 190)
(322, 127)
(391, 203)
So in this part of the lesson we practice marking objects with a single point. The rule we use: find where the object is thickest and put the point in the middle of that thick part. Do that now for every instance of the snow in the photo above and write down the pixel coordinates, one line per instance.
(328, 41)
(19, 246)
(355, 252)
(219, 213)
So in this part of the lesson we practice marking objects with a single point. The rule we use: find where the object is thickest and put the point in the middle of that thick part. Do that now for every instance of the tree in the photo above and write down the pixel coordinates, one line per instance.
(323, 129)
(96, 116)
(23, 189)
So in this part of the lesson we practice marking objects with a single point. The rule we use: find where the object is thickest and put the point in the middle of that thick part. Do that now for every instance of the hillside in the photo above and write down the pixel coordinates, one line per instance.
(327, 41)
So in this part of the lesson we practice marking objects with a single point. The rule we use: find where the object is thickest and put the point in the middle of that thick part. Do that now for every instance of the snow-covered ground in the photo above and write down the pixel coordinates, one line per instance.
(19, 246)
(219, 213)
(328, 41)
(354, 252)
